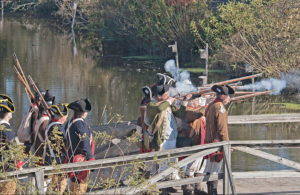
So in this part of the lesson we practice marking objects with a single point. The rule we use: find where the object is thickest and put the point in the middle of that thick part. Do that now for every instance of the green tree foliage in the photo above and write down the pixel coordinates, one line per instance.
(152, 21)
(264, 34)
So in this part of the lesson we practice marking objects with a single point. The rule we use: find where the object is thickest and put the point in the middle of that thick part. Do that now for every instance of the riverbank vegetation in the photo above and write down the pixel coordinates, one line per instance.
(264, 34)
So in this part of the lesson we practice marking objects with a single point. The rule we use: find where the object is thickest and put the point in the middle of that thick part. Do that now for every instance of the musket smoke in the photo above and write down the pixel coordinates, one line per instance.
(292, 78)
(182, 77)
(289, 80)
(276, 85)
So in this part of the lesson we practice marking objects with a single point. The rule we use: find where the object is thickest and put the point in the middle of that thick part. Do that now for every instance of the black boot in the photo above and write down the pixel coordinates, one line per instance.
(171, 190)
(187, 189)
(212, 187)
(198, 189)
(214, 191)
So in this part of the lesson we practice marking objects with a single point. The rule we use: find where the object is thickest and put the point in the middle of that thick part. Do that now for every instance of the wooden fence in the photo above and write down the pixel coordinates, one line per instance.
(193, 153)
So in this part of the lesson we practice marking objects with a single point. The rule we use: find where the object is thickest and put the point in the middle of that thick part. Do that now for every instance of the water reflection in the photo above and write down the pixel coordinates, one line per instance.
(246, 162)
(47, 56)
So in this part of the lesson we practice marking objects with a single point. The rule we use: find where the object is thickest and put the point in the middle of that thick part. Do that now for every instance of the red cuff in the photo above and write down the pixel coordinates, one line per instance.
(20, 164)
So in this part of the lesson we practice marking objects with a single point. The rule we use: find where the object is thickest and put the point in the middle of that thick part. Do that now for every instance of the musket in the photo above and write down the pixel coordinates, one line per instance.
(235, 80)
(36, 89)
(250, 95)
(236, 92)
(232, 83)
(20, 68)
(19, 71)
(24, 83)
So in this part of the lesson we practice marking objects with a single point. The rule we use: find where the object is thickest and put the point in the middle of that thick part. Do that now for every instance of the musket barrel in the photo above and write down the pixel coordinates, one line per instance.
(20, 68)
(236, 79)
(231, 82)
(44, 104)
(24, 82)
(250, 95)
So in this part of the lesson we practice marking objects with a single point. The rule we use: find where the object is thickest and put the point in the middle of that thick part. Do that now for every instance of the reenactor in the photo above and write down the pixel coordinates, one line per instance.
(56, 145)
(162, 134)
(81, 145)
(7, 136)
(192, 133)
(217, 131)
(149, 92)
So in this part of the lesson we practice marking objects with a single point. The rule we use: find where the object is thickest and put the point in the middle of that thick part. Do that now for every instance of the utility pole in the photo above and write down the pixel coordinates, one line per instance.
(74, 7)
(2, 9)
(175, 50)
(2, 13)
(204, 55)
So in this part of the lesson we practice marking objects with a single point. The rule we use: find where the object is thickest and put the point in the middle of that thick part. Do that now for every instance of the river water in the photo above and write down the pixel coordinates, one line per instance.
(48, 56)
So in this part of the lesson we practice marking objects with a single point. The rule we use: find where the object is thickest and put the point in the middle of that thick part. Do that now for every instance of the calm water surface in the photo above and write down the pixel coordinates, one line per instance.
(48, 57)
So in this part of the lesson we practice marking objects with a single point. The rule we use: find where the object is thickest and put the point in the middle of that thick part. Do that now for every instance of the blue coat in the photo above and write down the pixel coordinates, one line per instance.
(83, 145)
(57, 137)
(7, 135)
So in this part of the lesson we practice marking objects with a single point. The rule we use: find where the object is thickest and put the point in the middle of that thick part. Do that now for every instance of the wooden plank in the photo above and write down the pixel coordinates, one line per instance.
(211, 177)
(270, 157)
(265, 174)
(264, 118)
(266, 143)
(49, 170)
(165, 184)
(122, 160)
(170, 170)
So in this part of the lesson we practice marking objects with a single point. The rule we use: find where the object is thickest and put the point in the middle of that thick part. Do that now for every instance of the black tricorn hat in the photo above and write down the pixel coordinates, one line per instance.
(169, 80)
(60, 109)
(161, 89)
(3, 96)
(82, 105)
(49, 98)
(6, 104)
(224, 89)
(164, 79)
(161, 78)
(147, 91)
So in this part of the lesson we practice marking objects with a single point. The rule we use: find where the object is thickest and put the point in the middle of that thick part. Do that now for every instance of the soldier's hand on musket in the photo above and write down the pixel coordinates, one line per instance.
(171, 100)
(188, 96)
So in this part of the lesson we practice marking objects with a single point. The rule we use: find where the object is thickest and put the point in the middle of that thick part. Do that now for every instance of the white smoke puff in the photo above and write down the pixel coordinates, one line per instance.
(170, 66)
(276, 85)
(182, 77)
(292, 79)
(173, 92)
(183, 87)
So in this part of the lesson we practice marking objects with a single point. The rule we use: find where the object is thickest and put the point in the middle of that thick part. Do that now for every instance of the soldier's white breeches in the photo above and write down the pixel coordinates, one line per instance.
(195, 167)
(164, 164)
(213, 167)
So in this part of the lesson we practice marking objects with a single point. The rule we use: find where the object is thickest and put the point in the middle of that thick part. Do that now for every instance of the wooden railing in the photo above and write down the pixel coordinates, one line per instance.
(193, 153)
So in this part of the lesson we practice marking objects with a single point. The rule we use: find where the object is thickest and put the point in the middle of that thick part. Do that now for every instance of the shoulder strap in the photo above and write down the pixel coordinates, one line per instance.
(47, 139)
(37, 128)
(68, 130)
(158, 124)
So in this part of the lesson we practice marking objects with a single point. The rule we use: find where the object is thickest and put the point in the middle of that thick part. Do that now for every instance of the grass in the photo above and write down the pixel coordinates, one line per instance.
(290, 106)
(200, 70)
(145, 57)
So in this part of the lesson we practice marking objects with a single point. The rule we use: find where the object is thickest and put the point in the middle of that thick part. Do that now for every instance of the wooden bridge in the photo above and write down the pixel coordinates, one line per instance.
(228, 177)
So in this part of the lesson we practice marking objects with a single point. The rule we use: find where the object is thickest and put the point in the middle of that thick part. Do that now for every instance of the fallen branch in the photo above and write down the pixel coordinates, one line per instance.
(23, 6)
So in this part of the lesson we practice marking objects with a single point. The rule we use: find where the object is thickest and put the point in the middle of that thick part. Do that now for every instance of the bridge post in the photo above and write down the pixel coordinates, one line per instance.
(30, 189)
(39, 179)
(228, 178)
